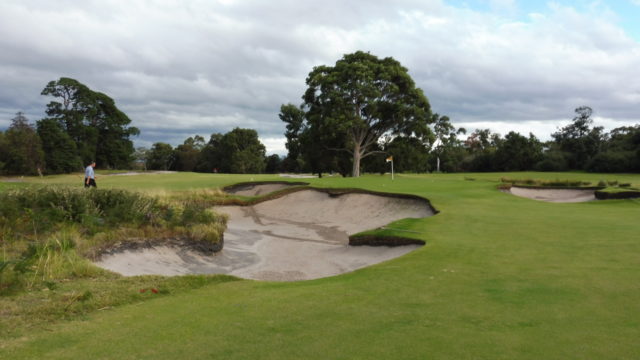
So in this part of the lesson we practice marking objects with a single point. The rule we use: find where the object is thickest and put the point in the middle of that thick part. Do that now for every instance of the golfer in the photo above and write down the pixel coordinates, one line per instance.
(90, 176)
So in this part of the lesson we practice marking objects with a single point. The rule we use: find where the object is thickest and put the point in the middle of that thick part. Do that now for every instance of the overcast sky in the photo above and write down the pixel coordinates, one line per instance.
(180, 68)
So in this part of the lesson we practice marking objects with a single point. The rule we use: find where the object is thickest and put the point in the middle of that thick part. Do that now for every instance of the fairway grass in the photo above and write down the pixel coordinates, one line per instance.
(500, 277)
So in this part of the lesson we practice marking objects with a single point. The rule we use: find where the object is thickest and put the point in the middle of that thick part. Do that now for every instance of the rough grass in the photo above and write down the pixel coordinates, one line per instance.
(47, 235)
(500, 277)
(32, 211)
(150, 182)
(42, 307)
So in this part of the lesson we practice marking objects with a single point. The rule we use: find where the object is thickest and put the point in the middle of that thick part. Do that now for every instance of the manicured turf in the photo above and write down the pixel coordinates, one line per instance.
(501, 277)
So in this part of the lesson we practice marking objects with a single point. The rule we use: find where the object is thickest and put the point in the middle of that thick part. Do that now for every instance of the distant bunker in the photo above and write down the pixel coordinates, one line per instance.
(299, 234)
(557, 195)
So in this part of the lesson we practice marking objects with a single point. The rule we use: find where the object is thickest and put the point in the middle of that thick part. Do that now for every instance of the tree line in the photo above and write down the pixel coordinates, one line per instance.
(578, 146)
(81, 126)
(354, 115)
(363, 110)
(238, 151)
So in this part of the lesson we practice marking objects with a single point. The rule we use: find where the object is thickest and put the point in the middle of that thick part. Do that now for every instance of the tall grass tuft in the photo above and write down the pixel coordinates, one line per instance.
(45, 230)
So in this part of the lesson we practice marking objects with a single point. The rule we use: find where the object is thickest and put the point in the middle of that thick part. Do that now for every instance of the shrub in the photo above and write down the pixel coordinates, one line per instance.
(479, 163)
(552, 161)
(611, 162)
(43, 209)
(119, 206)
(209, 233)
(10, 276)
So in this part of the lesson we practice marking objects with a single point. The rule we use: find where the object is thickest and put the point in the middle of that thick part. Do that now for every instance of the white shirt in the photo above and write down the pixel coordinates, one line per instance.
(88, 172)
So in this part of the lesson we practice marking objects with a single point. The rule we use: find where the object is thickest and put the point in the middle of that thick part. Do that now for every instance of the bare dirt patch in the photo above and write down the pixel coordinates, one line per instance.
(299, 236)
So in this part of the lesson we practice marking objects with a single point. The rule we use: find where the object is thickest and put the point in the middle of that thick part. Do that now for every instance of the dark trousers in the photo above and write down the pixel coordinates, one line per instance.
(92, 182)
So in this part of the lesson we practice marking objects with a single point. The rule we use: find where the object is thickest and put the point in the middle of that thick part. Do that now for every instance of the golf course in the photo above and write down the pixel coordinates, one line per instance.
(498, 277)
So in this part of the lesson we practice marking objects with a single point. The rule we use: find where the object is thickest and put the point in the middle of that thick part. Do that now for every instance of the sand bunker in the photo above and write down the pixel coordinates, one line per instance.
(257, 189)
(298, 176)
(554, 195)
(303, 235)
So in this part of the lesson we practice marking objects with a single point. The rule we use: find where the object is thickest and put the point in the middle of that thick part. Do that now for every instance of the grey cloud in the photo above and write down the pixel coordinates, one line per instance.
(198, 67)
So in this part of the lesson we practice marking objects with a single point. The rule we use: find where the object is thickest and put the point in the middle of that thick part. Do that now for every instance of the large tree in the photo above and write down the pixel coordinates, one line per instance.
(99, 129)
(320, 149)
(311, 148)
(160, 156)
(22, 153)
(481, 147)
(409, 154)
(244, 153)
(362, 98)
(448, 150)
(187, 154)
(517, 152)
(273, 164)
(578, 140)
(61, 155)
(293, 116)
(238, 151)
(211, 155)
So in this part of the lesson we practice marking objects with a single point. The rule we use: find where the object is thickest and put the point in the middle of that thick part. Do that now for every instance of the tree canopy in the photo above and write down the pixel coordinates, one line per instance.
(239, 151)
(448, 147)
(160, 157)
(21, 149)
(360, 99)
(293, 116)
(91, 119)
(518, 153)
(578, 140)
(187, 154)
(244, 153)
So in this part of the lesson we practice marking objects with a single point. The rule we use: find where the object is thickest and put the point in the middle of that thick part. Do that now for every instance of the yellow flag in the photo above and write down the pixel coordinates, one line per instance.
(390, 158)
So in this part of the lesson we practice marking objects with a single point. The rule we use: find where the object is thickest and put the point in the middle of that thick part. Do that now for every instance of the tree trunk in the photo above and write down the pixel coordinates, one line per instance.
(356, 160)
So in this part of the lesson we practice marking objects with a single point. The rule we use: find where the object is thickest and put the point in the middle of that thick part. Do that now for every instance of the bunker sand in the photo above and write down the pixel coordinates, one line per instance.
(252, 189)
(300, 236)
(554, 195)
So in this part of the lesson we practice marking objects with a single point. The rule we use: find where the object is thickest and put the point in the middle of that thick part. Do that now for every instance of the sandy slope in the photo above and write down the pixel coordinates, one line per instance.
(258, 189)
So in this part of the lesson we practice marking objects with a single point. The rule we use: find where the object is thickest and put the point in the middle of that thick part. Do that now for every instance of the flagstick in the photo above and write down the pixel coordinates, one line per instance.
(390, 158)
(391, 169)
